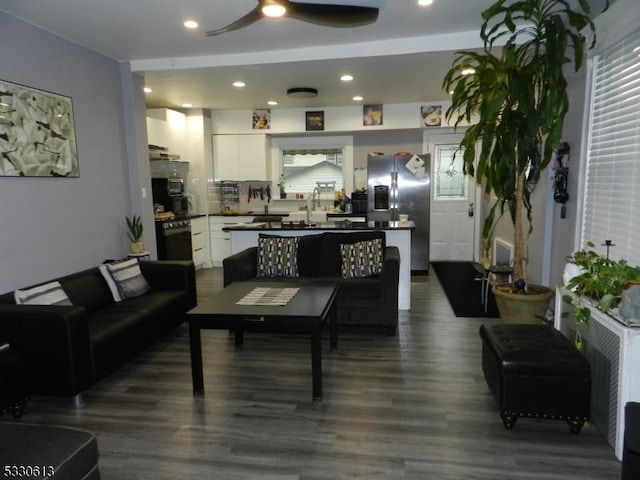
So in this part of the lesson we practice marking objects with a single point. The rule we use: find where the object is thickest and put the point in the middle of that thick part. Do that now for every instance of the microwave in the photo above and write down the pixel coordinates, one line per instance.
(169, 192)
(172, 186)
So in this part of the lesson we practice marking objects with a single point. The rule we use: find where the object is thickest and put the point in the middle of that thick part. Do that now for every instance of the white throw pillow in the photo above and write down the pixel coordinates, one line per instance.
(129, 279)
(110, 282)
(47, 294)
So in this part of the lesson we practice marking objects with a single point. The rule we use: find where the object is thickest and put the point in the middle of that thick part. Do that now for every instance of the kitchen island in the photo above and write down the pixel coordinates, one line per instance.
(245, 235)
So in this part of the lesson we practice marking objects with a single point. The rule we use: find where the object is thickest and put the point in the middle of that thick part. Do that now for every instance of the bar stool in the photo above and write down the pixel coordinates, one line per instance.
(485, 277)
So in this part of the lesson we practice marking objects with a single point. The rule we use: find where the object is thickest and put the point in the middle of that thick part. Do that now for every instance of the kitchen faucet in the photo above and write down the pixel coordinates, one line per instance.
(315, 202)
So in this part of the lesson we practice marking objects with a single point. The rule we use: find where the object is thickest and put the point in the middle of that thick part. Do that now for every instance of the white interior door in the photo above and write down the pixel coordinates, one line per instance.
(453, 226)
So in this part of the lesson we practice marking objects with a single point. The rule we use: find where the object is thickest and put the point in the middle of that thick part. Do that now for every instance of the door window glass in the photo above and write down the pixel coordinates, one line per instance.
(450, 180)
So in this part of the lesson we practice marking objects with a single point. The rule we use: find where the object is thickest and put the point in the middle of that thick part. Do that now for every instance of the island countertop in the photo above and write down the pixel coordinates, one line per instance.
(319, 226)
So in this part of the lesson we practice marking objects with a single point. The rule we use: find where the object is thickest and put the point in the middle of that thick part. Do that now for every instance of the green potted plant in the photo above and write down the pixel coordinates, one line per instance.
(134, 224)
(599, 280)
(515, 100)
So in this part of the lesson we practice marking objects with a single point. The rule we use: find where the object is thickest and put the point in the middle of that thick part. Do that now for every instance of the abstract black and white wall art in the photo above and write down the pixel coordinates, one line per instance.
(37, 133)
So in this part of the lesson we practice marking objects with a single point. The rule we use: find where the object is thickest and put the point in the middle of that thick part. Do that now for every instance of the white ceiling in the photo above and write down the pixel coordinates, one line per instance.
(401, 58)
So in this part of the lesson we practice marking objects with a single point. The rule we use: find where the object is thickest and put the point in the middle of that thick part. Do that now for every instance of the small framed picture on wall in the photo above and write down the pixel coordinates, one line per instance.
(262, 119)
(371, 115)
(431, 115)
(314, 120)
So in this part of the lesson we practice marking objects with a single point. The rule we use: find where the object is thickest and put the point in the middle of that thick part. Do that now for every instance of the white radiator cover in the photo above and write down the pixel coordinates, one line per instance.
(613, 351)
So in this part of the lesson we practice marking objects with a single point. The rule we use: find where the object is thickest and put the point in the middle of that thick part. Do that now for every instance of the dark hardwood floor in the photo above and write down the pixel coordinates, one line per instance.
(414, 406)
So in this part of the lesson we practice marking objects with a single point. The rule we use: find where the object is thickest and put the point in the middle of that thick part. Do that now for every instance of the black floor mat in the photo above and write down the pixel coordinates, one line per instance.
(462, 286)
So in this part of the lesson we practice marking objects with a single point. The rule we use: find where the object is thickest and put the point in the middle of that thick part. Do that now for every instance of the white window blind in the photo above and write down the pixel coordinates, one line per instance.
(612, 184)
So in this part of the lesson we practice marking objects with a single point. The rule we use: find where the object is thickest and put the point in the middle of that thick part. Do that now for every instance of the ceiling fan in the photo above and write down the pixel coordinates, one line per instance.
(327, 15)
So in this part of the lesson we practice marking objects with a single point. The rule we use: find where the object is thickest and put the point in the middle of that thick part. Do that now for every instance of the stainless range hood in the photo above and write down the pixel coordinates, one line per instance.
(161, 153)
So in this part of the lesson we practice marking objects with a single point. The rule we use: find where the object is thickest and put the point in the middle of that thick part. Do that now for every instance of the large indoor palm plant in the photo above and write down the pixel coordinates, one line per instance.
(513, 94)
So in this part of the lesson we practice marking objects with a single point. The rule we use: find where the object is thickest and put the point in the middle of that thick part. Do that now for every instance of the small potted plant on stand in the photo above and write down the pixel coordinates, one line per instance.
(135, 227)
(515, 100)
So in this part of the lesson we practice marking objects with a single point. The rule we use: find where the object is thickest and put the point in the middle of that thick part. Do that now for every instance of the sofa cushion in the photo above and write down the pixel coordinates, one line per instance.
(50, 293)
(277, 256)
(129, 279)
(330, 260)
(308, 258)
(367, 288)
(87, 289)
(361, 259)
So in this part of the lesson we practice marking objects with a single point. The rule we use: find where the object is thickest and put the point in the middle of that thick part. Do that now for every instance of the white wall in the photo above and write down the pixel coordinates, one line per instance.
(621, 19)
(336, 119)
(55, 226)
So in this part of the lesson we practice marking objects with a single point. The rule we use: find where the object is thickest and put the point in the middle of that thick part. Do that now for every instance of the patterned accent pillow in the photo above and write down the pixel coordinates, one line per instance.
(48, 294)
(278, 257)
(129, 279)
(361, 259)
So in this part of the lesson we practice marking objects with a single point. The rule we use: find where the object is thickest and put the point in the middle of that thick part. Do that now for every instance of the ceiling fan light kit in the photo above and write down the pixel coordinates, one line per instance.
(302, 92)
(273, 8)
(324, 14)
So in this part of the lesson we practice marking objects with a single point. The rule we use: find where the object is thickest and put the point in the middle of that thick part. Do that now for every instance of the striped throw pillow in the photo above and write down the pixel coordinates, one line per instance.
(278, 257)
(361, 259)
(129, 279)
(47, 294)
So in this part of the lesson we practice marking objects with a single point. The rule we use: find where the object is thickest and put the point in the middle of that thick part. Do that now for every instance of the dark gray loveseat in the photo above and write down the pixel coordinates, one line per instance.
(66, 349)
(371, 300)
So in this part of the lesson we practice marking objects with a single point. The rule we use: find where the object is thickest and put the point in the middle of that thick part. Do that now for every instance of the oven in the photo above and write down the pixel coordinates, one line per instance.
(173, 238)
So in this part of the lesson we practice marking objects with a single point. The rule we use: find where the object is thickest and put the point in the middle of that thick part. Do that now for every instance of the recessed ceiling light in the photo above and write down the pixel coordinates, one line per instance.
(191, 24)
(424, 3)
(147, 90)
(239, 84)
(187, 105)
(358, 98)
(274, 10)
(272, 102)
(346, 78)
(468, 71)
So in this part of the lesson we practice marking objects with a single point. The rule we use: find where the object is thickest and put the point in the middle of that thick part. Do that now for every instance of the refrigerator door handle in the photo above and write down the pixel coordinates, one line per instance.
(394, 195)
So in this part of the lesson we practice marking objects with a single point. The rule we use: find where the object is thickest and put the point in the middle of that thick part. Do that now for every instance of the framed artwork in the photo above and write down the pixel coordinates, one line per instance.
(371, 115)
(314, 120)
(262, 119)
(37, 133)
(431, 115)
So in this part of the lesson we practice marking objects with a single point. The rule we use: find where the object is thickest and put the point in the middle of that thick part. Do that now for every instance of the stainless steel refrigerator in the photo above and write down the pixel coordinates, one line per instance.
(400, 184)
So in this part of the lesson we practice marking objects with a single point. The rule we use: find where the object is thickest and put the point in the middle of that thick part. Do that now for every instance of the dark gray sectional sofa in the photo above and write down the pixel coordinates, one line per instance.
(371, 300)
(66, 349)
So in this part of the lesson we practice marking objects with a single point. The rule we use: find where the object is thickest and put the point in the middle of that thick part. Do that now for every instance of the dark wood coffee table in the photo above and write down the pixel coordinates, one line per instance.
(306, 313)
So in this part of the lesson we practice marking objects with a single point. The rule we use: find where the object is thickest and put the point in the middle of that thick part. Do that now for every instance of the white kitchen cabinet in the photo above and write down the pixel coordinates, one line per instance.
(240, 157)
(218, 240)
(199, 242)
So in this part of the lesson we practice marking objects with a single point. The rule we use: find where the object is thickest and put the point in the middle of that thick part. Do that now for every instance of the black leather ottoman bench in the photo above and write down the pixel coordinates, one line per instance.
(534, 371)
(42, 452)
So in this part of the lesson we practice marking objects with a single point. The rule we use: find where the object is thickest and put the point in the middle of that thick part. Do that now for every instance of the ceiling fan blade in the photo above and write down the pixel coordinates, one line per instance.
(332, 15)
(251, 17)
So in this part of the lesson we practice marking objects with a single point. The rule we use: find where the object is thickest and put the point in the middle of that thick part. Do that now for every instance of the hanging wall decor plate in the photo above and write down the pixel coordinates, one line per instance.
(37, 133)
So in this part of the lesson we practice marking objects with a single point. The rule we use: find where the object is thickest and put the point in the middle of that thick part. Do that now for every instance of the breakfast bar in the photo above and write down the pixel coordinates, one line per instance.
(245, 235)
